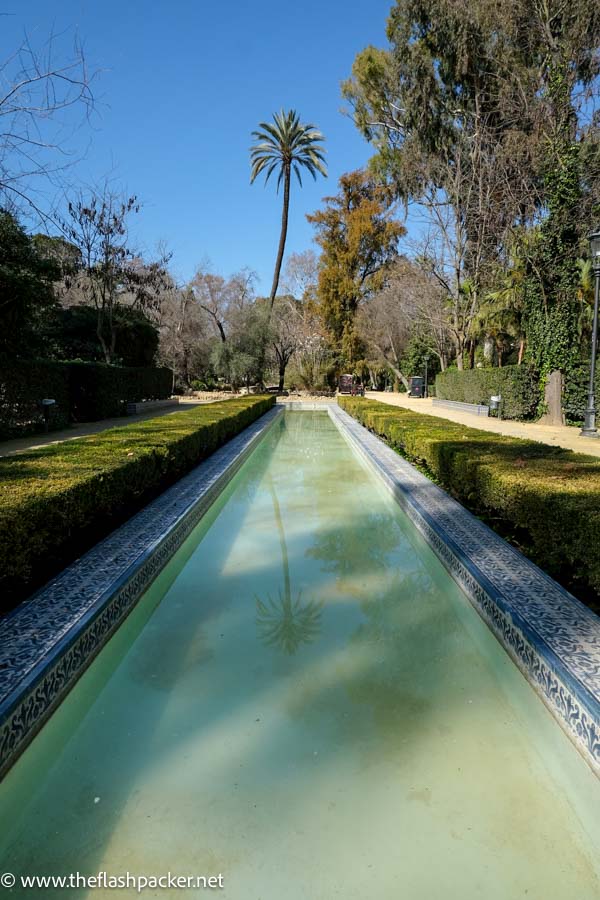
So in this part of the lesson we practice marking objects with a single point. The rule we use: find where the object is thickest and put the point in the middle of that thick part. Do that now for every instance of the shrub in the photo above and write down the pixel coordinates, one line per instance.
(52, 496)
(575, 395)
(84, 392)
(518, 386)
(547, 496)
(71, 333)
(22, 386)
(99, 391)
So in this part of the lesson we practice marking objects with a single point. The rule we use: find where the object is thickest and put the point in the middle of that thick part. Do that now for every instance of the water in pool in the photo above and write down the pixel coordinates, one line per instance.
(305, 703)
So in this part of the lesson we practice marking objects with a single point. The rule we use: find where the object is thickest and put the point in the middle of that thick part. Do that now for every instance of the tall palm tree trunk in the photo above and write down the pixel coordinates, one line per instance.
(287, 590)
(283, 235)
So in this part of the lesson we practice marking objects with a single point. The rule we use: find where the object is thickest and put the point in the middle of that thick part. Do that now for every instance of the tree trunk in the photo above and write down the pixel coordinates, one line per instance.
(399, 375)
(521, 351)
(100, 336)
(281, 376)
(283, 235)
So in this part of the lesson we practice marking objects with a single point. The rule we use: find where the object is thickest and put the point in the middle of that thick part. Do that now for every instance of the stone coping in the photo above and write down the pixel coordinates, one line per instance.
(47, 642)
(552, 637)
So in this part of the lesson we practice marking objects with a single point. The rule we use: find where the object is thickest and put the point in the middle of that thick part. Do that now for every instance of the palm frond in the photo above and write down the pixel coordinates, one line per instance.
(288, 144)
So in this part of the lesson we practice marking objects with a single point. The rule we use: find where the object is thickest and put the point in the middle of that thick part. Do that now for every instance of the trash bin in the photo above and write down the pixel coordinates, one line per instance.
(496, 405)
(416, 386)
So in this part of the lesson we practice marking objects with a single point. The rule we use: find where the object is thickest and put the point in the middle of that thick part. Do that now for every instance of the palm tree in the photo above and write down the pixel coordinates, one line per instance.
(286, 622)
(285, 145)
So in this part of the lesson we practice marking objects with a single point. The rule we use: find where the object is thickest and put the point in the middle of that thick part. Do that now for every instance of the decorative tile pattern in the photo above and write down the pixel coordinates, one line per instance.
(553, 638)
(47, 642)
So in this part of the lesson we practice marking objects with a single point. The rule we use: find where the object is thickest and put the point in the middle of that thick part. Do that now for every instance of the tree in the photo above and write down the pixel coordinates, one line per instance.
(285, 333)
(37, 94)
(71, 334)
(301, 275)
(358, 237)
(287, 145)
(186, 339)
(110, 274)
(26, 290)
(240, 359)
(464, 113)
(410, 307)
(220, 298)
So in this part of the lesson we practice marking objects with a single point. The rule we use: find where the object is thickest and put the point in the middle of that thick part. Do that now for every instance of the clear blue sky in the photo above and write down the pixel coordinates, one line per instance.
(182, 86)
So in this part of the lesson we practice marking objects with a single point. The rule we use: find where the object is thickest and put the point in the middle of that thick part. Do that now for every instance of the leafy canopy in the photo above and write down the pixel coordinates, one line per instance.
(287, 145)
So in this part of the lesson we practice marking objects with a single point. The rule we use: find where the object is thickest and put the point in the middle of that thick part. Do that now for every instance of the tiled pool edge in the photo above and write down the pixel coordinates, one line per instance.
(558, 648)
(47, 643)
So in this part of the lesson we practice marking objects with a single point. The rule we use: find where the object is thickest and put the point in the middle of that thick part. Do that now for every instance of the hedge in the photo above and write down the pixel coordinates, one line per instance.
(518, 386)
(22, 386)
(575, 394)
(58, 500)
(84, 392)
(546, 499)
(99, 391)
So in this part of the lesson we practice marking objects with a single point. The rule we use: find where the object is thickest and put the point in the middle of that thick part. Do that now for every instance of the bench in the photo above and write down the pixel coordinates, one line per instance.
(476, 409)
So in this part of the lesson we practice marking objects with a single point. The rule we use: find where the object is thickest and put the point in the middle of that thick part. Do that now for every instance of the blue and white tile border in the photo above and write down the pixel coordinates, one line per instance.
(48, 642)
(552, 637)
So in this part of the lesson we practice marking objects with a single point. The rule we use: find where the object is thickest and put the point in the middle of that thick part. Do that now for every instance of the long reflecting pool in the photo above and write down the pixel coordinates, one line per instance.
(306, 703)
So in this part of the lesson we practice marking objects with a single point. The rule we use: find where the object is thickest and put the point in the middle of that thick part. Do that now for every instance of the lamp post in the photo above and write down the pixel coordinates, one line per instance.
(589, 423)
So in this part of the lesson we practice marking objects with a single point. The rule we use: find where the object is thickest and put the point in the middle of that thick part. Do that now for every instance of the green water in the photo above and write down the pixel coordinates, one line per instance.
(305, 703)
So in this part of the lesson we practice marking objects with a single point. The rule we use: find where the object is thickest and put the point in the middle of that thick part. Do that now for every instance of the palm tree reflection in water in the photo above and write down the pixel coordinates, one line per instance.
(286, 623)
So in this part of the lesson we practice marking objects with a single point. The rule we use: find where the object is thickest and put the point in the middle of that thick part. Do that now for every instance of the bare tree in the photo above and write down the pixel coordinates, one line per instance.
(184, 337)
(221, 297)
(411, 304)
(40, 97)
(286, 332)
(110, 273)
(302, 274)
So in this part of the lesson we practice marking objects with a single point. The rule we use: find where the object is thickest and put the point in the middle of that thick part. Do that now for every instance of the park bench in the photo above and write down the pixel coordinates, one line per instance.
(476, 409)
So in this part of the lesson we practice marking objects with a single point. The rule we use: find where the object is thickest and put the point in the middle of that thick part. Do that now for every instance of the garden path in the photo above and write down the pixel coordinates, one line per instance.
(566, 436)
(33, 441)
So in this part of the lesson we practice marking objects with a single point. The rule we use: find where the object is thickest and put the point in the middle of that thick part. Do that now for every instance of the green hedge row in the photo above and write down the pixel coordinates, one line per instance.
(22, 386)
(84, 392)
(545, 498)
(575, 394)
(518, 386)
(99, 391)
(52, 496)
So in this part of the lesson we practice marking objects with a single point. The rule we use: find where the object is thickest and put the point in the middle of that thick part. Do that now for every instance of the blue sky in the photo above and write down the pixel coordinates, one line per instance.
(182, 85)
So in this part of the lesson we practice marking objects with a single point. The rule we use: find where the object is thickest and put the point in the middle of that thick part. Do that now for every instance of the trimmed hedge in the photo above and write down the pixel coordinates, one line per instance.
(22, 386)
(84, 392)
(518, 386)
(99, 391)
(545, 498)
(575, 394)
(52, 496)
